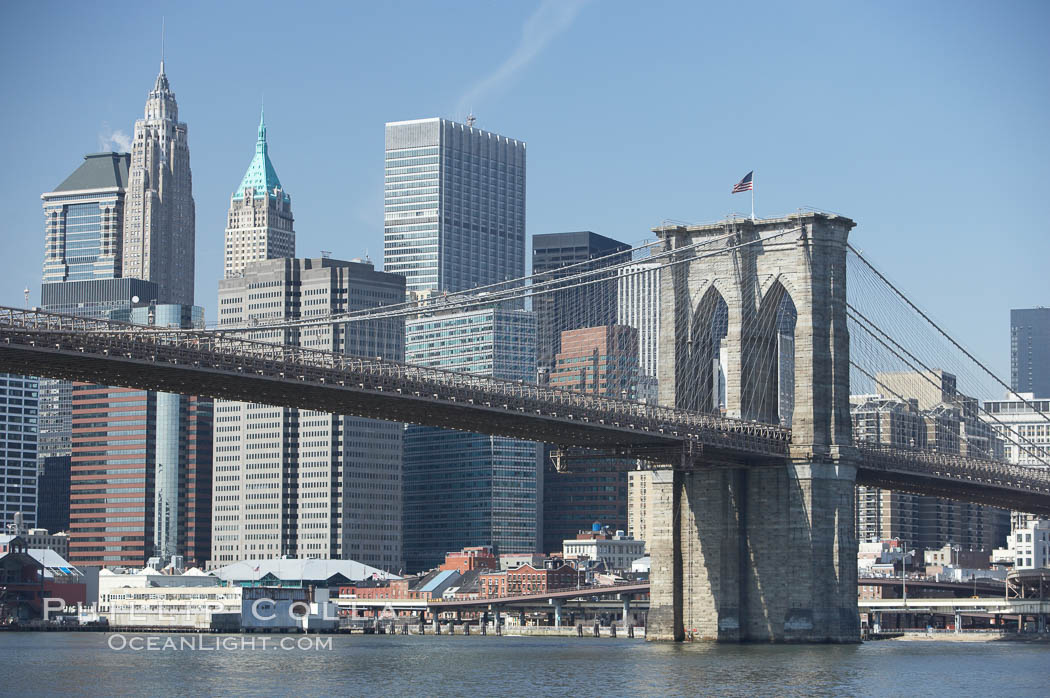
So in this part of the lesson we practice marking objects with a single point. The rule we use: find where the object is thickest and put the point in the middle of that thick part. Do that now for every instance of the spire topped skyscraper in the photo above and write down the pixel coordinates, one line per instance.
(260, 223)
(159, 228)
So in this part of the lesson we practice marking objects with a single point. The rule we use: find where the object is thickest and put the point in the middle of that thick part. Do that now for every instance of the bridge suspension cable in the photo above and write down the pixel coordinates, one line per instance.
(898, 349)
(947, 336)
(926, 373)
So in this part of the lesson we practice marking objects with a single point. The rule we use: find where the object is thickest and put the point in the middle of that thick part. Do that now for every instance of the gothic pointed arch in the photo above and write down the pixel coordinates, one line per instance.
(701, 385)
(769, 359)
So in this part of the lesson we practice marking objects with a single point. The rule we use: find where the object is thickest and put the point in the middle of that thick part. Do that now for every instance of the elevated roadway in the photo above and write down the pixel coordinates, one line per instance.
(210, 364)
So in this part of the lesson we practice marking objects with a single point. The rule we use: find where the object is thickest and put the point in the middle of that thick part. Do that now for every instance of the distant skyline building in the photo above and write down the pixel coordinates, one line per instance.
(99, 299)
(639, 505)
(83, 248)
(454, 205)
(84, 221)
(140, 480)
(883, 514)
(638, 306)
(159, 215)
(52, 505)
(556, 256)
(590, 305)
(307, 483)
(259, 224)
(1030, 351)
(18, 441)
(598, 361)
(454, 220)
(182, 472)
(1025, 431)
(464, 489)
(572, 502)
(926, 411)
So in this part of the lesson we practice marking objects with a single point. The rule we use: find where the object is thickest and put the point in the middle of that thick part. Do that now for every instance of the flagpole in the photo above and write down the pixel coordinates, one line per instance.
(752, 198)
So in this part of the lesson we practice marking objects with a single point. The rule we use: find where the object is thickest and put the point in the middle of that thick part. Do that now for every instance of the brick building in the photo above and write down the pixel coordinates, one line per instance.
(529, 579)
(120, 438)
(478, 557)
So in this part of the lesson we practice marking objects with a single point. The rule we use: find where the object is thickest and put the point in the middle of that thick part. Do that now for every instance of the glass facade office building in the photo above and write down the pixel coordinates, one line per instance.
(1030, 351)
(464, 489)
(84, 220)
(18, 435)
(454, 205)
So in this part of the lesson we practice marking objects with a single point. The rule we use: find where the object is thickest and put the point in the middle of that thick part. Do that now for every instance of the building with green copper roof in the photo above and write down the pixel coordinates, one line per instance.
(261, 176)
(260, 224)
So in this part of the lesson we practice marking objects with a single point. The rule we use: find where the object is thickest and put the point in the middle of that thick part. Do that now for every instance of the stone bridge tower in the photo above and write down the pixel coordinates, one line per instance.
(757, 551)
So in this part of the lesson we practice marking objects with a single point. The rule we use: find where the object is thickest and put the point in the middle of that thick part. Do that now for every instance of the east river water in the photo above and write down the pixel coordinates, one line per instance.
(69, 664)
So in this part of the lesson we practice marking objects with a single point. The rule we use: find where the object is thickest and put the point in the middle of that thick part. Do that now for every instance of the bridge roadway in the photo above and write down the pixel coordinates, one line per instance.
(211, 364)
(969, 605)
(523, 600)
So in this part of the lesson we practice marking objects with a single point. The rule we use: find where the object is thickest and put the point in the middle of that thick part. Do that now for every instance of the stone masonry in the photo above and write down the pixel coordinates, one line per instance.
(759, 553)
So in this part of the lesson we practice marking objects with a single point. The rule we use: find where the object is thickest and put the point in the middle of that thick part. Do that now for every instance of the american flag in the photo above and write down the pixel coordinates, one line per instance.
(744, 184)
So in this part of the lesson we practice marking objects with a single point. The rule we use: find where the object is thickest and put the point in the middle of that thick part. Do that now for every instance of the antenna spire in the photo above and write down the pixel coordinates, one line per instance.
(162, 44)
(262, 122)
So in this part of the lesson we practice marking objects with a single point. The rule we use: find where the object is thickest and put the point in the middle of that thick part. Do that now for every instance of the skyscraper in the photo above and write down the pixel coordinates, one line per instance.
(638, 306)
(454, 205)
(159, 210)
(301, 482)
(140, 481)
(52, 500)
(260, 224)
(83, 252)
(84, 221)
(18, 433)
(1030, 351)
(97, 298)
(464, 489)
(454, 220)
(599, 361)
(570, 309)
(556, 256)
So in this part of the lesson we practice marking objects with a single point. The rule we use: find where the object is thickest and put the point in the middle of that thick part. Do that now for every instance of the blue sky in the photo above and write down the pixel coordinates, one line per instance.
(924, 122)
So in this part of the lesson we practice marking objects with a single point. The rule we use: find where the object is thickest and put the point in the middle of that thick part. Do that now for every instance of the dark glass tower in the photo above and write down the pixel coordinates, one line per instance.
(1030, 351)
(574, 501)
(573, 308)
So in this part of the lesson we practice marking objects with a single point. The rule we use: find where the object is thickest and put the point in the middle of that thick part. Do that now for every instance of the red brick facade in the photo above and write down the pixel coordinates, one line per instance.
(528, 580)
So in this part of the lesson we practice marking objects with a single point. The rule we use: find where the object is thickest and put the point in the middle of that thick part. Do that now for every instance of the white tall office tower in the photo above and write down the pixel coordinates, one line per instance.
(158, 206)
(454, 205)
(300, 482)
(638, 306)
(260, 224)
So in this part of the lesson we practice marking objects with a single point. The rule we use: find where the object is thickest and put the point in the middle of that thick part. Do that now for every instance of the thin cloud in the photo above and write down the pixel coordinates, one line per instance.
(551, 18)
(113, 139)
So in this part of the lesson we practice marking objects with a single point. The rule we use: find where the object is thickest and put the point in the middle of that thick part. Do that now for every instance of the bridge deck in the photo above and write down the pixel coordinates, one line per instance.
(213, 365)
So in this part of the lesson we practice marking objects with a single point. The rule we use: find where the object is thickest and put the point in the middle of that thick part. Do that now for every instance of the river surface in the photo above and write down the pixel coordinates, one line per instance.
(69, 664)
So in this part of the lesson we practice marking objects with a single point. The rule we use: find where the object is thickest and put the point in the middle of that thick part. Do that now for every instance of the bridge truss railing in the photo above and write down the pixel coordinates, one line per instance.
(952, 466)
(229, 353)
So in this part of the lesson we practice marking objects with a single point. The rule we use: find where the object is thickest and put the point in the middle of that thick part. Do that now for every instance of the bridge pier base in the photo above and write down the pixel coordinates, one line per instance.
(765, 554)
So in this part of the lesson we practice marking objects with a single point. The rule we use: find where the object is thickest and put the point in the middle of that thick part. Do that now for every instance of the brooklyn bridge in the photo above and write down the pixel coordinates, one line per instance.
(753, 528)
